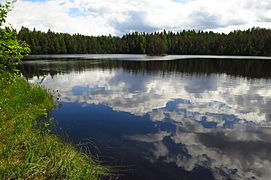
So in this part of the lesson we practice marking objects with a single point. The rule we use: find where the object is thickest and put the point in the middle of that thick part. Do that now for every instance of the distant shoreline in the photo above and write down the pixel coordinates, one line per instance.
(141, 57)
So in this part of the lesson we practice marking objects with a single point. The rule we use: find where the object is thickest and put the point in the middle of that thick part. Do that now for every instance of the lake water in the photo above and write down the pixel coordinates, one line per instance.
(164, 117)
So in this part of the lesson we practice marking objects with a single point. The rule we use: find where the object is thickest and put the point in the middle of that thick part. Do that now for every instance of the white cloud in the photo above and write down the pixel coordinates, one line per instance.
(122, 16)
(54, 15)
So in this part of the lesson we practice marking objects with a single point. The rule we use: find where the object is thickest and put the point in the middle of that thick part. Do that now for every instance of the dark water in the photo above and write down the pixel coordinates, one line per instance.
(178, 119)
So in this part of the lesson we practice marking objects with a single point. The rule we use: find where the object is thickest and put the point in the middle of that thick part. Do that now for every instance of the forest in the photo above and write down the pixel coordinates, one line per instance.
(251, 42)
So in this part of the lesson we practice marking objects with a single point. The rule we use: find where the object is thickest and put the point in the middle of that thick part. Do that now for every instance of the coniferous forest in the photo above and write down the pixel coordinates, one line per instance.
(251, 42)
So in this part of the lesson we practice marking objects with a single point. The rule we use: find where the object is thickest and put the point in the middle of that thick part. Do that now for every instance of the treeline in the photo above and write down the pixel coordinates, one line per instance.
(255, 41)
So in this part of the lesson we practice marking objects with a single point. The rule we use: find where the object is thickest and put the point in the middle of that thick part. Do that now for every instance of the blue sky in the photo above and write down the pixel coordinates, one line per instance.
(96, 17)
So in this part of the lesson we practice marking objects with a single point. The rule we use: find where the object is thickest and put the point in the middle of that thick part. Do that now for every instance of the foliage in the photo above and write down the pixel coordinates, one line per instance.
(11, 49)
(4, 9)
(156, 46)
(27, 151)
(255, 41)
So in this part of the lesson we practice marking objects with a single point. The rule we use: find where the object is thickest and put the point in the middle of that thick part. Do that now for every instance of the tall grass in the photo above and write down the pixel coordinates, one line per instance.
(29, 152)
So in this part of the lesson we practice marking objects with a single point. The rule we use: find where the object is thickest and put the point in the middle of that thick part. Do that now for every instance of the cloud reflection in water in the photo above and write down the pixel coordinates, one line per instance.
(217, 119)
(214, 98)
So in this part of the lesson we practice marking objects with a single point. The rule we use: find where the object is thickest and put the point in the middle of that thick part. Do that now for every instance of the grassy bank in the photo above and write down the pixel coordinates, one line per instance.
(27, 151)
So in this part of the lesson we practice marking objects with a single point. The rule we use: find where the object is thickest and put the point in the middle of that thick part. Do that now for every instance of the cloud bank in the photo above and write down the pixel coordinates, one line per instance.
(93, 17)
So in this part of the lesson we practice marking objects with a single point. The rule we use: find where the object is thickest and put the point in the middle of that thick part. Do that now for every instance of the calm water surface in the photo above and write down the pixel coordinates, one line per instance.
(178, 119)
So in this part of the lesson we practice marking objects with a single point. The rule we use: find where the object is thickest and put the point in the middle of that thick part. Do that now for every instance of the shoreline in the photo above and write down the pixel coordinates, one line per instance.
(27, 149)
(142, 57)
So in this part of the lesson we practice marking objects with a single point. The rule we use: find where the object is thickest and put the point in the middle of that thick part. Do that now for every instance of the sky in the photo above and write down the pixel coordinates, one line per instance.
(118, 17)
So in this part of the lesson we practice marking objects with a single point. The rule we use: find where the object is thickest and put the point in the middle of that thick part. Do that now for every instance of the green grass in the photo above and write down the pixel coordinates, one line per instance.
(28, 151)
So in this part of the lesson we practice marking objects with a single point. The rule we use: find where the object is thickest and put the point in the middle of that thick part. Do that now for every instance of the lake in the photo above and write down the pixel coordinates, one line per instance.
(173, 117)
